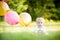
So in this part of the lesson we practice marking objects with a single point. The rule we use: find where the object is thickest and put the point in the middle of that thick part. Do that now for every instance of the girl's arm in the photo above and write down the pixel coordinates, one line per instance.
(44, 31)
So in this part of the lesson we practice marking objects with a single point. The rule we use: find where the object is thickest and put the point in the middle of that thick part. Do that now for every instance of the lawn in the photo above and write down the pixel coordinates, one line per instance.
(17, 32)
(29, 36)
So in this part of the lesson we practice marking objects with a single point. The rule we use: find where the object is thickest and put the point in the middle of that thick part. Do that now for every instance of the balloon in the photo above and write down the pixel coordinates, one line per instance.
(11, 17)
(6, 7)
(5, 0)
(25, 19)
(3, 8)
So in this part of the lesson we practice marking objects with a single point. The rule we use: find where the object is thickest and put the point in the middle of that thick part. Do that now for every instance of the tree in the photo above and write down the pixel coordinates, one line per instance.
(37, 8)
(18, 5)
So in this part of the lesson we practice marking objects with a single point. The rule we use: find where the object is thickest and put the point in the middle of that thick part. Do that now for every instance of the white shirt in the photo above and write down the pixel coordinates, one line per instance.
(42, 29)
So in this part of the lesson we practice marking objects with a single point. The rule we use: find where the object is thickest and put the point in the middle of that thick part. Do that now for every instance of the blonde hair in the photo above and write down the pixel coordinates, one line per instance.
(41, 19)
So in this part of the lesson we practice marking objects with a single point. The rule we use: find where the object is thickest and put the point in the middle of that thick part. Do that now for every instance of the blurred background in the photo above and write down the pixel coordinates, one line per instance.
(48, 9)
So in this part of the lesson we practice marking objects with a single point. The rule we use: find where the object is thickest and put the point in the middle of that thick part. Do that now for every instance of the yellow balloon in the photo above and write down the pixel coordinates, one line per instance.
(3, 8)
(25, 19)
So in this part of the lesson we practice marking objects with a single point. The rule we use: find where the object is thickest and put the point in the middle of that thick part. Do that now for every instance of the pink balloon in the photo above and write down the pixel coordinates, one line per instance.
(12, 17)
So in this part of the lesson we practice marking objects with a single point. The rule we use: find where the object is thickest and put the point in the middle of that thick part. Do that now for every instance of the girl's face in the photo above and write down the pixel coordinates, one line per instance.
(39, 23)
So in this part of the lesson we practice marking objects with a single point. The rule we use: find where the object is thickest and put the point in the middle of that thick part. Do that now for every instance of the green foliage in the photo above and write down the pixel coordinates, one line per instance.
(1, 18)
(43, 8)
(18, 5)
(49, 9)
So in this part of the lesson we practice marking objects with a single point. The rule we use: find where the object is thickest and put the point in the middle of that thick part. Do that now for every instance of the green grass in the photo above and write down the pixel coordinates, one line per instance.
(29, 36)
(53, 29)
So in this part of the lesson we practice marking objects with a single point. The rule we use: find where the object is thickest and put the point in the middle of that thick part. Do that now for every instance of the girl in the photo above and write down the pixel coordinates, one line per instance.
(40, 26)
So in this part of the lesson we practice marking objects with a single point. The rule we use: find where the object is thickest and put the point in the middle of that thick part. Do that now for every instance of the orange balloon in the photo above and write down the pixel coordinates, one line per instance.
(3, 8)
(25, 19)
